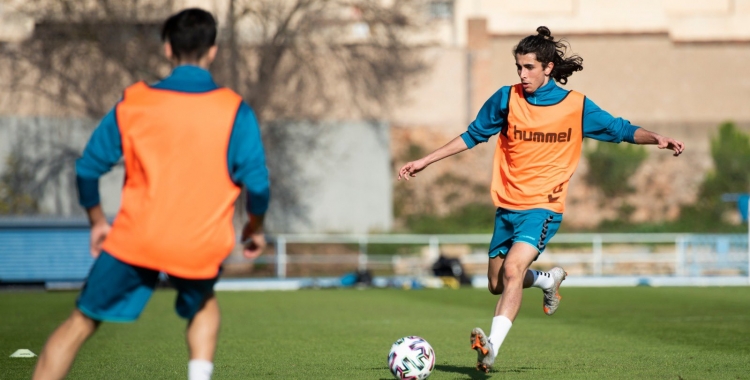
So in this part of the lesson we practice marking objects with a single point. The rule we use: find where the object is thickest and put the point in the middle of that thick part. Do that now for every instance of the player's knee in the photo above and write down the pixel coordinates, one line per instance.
(77, 316)
(82, 323)
(513, 274)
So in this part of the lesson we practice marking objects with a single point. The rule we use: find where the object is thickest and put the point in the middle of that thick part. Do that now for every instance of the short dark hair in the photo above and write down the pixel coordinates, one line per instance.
(548, 50)
(190, 32)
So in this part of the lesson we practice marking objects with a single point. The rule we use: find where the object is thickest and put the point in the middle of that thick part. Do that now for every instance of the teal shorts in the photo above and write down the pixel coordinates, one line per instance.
(534, 227)
(117, 292)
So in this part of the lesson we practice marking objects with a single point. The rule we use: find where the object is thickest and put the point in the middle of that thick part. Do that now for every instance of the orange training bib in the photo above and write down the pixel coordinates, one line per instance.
(178, 198)
(537, 153)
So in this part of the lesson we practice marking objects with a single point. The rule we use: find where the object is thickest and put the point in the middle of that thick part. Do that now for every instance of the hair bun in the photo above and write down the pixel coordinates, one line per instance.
(545, 33)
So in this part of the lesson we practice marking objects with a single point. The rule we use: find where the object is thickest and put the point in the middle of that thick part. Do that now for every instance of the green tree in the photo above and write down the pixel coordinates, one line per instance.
(612, 165)
(730, 151)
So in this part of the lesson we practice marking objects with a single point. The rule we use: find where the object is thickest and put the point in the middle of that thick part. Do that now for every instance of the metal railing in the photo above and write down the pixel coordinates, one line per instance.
(37, 250)
(596, 254)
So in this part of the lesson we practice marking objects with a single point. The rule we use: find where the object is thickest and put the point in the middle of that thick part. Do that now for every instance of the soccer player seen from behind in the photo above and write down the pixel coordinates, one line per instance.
(541, 127)
(188, 148)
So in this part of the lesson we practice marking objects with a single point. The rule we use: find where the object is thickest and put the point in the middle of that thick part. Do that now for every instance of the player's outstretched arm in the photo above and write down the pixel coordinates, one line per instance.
(643, 136)
(410, 169)
(253, 237)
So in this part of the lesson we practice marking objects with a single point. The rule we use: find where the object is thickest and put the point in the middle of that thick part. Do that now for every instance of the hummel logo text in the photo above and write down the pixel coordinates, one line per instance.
(550, 137)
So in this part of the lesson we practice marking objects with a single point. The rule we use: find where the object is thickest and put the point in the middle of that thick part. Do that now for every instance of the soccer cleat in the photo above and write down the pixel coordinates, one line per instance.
(485, 354)
(552, 295)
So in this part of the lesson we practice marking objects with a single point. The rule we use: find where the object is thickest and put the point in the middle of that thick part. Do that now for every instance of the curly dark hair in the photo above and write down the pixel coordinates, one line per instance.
(548, 50)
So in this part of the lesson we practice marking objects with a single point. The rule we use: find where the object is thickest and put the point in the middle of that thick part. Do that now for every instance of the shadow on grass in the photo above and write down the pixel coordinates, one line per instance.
(473, 374)
(468, 371)
(516, 370)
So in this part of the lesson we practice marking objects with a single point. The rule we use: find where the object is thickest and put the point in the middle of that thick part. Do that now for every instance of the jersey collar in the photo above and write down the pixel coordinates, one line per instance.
(187, 78)
(542, 93)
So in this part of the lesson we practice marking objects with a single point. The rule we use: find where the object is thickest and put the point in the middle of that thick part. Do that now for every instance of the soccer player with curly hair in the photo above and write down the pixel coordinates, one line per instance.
(541, 127)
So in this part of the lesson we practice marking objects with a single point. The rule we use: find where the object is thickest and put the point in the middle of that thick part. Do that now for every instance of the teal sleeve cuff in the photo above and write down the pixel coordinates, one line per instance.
(468, 140)
(630, 133)
(257, 201)
(88, 191)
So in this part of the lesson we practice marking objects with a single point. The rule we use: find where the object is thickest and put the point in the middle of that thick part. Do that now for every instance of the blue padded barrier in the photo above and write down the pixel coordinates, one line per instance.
(41, 251)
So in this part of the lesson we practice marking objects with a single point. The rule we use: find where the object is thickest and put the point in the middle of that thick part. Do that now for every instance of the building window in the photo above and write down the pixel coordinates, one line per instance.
(441, 9)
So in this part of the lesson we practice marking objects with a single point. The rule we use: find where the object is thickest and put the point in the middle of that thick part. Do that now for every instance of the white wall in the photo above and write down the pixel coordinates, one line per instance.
(345, 179)
(41, 137)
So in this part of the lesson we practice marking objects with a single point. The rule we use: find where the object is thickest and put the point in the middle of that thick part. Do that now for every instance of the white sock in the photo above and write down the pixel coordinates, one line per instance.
(500, 327)
(200, 369)
(542, 280)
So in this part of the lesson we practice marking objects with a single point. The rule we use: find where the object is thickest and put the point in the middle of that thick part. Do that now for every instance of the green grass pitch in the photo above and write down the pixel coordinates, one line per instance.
(598, 333)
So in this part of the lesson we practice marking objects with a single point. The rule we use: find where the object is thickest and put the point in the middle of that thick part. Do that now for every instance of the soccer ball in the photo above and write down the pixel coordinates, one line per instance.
(411, 358)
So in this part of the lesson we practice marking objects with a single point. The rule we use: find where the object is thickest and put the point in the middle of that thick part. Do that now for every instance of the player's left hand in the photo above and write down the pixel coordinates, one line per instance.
(254, 245)
(253, 238)
(669, 143)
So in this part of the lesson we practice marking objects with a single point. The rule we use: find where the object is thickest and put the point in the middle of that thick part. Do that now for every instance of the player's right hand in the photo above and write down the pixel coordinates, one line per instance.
(99, 232)
(411, 169)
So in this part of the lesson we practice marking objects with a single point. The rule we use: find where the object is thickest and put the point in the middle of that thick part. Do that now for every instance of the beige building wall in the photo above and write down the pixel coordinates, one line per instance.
(692, 20)
(645, 77)
(14, 26)
(695, 48)
(439, 99)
